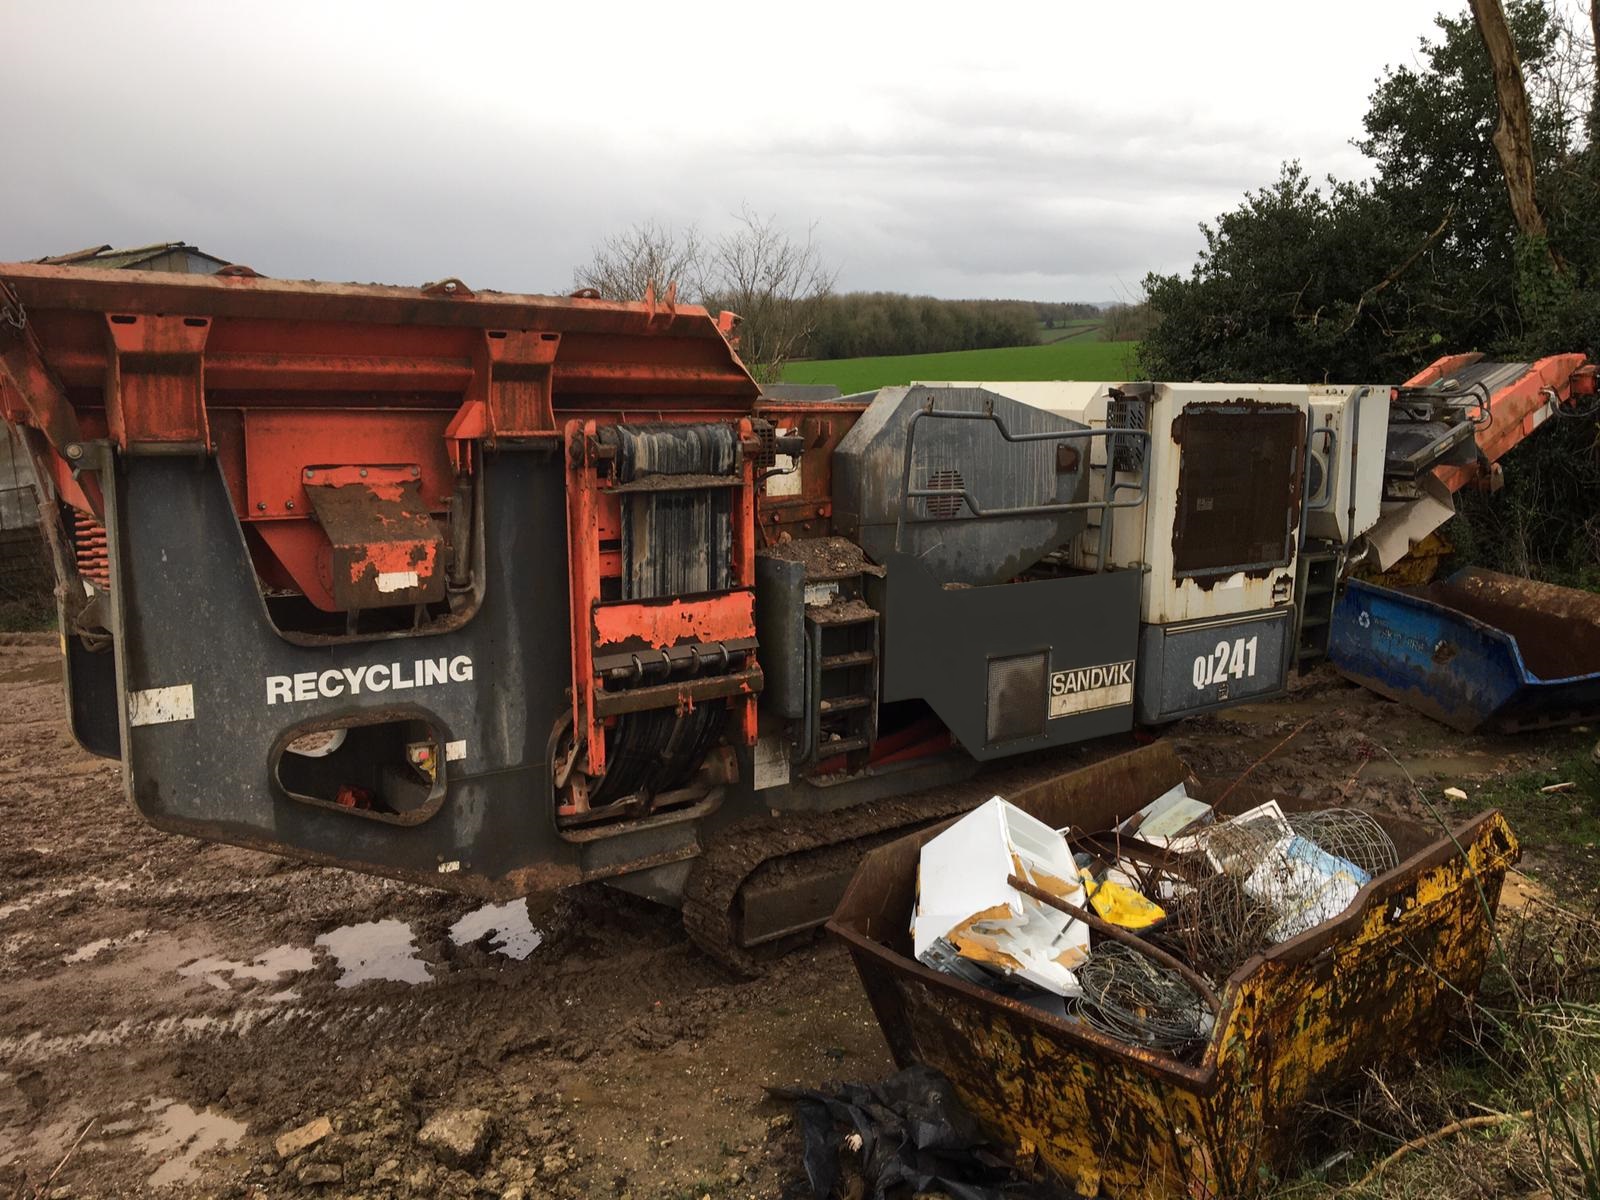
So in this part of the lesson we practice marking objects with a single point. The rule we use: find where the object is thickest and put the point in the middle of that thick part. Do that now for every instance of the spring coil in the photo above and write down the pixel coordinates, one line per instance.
(91, 550)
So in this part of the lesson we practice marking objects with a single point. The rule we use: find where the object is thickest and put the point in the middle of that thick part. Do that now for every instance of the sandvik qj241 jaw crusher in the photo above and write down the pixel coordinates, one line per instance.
(503, 593)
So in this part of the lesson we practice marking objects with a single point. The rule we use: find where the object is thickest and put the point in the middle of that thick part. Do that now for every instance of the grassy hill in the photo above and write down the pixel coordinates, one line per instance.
(1071, 359)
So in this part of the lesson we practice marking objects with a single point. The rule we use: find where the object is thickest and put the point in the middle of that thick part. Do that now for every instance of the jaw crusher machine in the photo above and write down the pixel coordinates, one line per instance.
(504, 593)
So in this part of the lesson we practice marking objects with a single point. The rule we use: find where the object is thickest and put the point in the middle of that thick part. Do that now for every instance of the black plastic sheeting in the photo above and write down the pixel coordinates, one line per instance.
(915, 1138)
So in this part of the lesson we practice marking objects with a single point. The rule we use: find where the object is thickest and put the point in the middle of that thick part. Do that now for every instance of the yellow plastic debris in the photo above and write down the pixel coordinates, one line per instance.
(1120, 905)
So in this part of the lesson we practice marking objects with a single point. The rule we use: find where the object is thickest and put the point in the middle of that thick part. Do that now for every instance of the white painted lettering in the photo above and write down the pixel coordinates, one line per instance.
(335, 682)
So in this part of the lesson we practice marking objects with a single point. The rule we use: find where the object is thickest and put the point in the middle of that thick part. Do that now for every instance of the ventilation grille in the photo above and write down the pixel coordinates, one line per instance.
(766, 455)
(1128, 412)
(942, 508)
(1017, 698)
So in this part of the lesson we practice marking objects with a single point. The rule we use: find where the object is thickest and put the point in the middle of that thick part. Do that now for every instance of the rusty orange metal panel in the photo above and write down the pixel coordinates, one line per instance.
(1515, 412)
(376, 331)
(806, 509)
(155, 384)
(1376, 984)
(384, 546)
(513, 376)
(583, 584)
(280, 445)
(658, 624)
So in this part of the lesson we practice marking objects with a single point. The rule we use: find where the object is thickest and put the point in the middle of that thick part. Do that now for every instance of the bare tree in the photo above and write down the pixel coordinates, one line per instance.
(1513, 136)
(1567, 80)
(775, 282)
(1594, 45)
(646, 257)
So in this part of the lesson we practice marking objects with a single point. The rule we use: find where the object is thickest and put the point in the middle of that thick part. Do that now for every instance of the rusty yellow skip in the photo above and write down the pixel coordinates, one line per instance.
(1377, 984)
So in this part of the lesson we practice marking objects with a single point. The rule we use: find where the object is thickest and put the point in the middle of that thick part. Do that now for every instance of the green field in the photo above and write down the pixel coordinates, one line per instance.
(1109, 361)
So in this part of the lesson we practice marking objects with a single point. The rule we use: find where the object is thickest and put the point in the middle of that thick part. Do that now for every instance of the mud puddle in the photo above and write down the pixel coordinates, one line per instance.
(508, 927)
(179, 1135)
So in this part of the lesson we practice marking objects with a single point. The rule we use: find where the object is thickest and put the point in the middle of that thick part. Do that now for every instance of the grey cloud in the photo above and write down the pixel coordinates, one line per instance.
(280, 147)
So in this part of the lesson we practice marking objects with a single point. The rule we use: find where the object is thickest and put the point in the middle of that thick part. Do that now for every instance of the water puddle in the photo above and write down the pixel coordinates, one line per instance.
(180, 1135)
(371, 950)
(375, 950)
(511, 928)
(99, 946)
(1471, 764)
(222, 973)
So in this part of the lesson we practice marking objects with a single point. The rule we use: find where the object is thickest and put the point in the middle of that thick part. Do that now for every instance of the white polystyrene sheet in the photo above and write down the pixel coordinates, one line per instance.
(1305, 884)
(963, 871)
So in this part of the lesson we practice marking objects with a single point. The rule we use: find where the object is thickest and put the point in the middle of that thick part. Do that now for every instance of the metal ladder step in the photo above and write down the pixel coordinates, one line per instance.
(836, 704)
(842, 746)
(856, 658)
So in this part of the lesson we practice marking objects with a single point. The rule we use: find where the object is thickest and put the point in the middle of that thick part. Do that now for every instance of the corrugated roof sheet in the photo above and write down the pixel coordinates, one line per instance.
(108, 256)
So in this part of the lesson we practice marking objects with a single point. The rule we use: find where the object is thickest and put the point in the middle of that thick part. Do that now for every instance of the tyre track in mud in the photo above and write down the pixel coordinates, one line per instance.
(614, 1015)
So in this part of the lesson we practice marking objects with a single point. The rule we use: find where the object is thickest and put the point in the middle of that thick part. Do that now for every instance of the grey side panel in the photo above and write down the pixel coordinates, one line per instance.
(968, 650)
(1201, 665)
(954, 456)
(92, 703)
(189, 616)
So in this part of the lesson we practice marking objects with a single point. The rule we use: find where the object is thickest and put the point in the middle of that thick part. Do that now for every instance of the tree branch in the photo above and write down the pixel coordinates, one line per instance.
(1438, 1135)
(1393, 276)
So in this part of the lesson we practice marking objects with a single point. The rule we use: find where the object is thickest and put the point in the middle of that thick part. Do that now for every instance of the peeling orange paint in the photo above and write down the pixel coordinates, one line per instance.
(675, 622)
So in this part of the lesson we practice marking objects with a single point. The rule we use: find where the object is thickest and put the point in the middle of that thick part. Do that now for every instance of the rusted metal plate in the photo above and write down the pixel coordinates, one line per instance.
(1233, 513)
(652, 624)
(1378, 983)
(385, 547)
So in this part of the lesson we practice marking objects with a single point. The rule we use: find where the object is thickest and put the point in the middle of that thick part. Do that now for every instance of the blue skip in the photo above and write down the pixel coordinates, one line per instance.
(1480, 651)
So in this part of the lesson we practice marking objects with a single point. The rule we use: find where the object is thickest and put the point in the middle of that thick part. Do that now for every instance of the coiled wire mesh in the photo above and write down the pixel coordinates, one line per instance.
(1131, 998)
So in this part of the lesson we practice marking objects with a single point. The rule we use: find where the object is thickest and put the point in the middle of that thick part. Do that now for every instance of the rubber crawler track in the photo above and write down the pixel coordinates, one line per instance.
(736, 854)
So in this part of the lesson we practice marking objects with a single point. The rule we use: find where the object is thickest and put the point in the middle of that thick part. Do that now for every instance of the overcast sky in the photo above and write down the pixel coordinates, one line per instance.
(1049, 151)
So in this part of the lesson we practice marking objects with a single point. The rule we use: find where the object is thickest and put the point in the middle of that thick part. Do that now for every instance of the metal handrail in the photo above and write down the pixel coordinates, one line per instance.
(1326, 494)
(1106, 503)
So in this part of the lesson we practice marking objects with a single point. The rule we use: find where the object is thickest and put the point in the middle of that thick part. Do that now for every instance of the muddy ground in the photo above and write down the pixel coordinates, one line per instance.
(179, 1007)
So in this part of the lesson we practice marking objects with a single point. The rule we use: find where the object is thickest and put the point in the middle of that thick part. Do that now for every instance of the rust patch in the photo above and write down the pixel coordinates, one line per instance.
(385, 544)
(1236, 513)
(657, 624)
